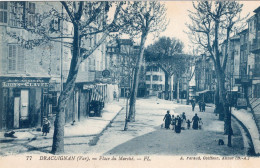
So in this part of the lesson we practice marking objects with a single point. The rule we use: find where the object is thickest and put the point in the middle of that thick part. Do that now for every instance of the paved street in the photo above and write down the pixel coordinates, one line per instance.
(145, 136)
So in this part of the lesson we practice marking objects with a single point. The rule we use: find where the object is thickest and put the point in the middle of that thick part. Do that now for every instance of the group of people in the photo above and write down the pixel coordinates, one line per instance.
(202, 105)
(178, 123)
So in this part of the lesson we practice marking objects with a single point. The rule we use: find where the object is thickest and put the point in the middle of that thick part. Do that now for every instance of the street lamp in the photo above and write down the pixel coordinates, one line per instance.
(126, 111)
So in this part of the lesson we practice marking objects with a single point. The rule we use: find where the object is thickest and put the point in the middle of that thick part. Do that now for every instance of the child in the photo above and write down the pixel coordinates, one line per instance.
(188, 123)
(46, 126)
(200, 123)
(173, 122)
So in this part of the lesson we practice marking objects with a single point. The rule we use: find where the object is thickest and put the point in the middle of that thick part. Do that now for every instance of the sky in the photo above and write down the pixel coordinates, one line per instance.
(177, 12)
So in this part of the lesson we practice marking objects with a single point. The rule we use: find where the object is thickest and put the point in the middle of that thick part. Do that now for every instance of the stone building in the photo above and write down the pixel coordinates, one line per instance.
(29, 67)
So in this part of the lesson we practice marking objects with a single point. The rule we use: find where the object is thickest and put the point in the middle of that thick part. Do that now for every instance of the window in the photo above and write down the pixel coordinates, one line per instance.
(55, 25)
(159, 87)
(155, 77)
(257, 91)
(155, 87)
(15, 58)
(148, 86)
(31, 8)
(148, 77)
(95, 39)
(31, 15)
(91, 64)
(16, 14)
(3, 12)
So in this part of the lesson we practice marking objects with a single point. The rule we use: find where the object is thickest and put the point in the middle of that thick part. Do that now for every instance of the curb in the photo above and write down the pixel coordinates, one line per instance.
(95, 139)
(250, 150)
(35, 137)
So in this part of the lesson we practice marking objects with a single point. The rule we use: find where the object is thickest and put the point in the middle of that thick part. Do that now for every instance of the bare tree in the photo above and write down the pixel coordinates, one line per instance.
(212, 23)
(142, 18)
(87, 19)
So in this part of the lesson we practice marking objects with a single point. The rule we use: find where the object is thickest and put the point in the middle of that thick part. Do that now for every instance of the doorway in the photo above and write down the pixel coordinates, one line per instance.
(21, 109)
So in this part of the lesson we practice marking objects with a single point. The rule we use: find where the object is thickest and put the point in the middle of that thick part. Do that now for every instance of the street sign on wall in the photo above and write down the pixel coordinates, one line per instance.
(106, 73)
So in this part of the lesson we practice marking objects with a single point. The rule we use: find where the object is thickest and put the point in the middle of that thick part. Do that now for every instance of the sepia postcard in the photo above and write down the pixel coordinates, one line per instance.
(130, 84)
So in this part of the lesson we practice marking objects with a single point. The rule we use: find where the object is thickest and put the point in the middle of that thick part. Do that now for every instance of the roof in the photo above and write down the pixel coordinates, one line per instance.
(115, 43)
(257, 10)
(244, 31)
(125, 41)
(235, 37)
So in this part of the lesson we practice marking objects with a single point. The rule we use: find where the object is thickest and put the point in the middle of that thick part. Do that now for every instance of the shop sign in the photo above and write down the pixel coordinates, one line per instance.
(25, 83)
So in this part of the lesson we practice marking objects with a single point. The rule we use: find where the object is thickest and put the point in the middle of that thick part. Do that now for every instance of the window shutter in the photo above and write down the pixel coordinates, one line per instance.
(20, 59)
(11, 58)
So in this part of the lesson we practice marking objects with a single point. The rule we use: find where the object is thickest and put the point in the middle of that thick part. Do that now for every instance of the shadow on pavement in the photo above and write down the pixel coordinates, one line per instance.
(188, 142)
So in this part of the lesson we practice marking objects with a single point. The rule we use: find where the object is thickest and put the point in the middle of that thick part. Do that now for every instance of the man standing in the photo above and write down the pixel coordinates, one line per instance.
(193, 104)
(203, 106)
(200, 105)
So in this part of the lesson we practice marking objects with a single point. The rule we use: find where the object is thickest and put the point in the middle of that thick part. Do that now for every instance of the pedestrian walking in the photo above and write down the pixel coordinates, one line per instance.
(195, 122)
(203, 106)
(200, 123)
(167, 120)
(188, 123)
(200, 105)
(183, 120)
(46, 127)
(178, 125)
(193, 104)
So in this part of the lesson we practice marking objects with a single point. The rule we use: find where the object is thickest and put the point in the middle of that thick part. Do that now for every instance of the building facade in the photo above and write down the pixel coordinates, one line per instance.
(29, 67)
(121, 56)
(205, 78)
(155, 81)
(254, 29)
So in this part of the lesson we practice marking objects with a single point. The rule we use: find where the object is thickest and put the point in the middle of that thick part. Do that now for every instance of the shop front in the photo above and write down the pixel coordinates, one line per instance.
(23, 101)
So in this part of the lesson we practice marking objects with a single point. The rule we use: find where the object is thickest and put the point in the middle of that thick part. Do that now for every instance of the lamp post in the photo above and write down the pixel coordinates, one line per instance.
(126, 111)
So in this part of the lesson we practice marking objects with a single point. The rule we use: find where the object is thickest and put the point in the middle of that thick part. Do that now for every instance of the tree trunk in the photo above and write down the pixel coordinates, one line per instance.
(170, 78)
(218, 105)
(131, 116)
(58, 136)
(188, 93)
(178, 91)
(224, 103)
(166, 96)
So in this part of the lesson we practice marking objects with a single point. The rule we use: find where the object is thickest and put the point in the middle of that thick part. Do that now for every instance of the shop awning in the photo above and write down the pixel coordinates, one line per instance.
(201, 92)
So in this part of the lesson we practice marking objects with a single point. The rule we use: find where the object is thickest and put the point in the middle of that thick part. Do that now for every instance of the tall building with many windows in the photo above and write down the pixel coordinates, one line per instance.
(29, 65)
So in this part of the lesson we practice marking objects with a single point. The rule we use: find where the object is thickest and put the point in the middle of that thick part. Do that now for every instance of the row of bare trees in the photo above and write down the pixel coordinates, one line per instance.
(212, 22)
(137, 19)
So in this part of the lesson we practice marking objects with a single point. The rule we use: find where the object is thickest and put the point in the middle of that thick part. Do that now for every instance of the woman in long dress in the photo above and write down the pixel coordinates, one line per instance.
(178, 125)
(195, 122)
(167, 120)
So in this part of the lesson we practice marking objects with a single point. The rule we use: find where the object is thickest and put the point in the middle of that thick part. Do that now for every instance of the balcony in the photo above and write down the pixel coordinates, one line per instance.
(255, 46)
